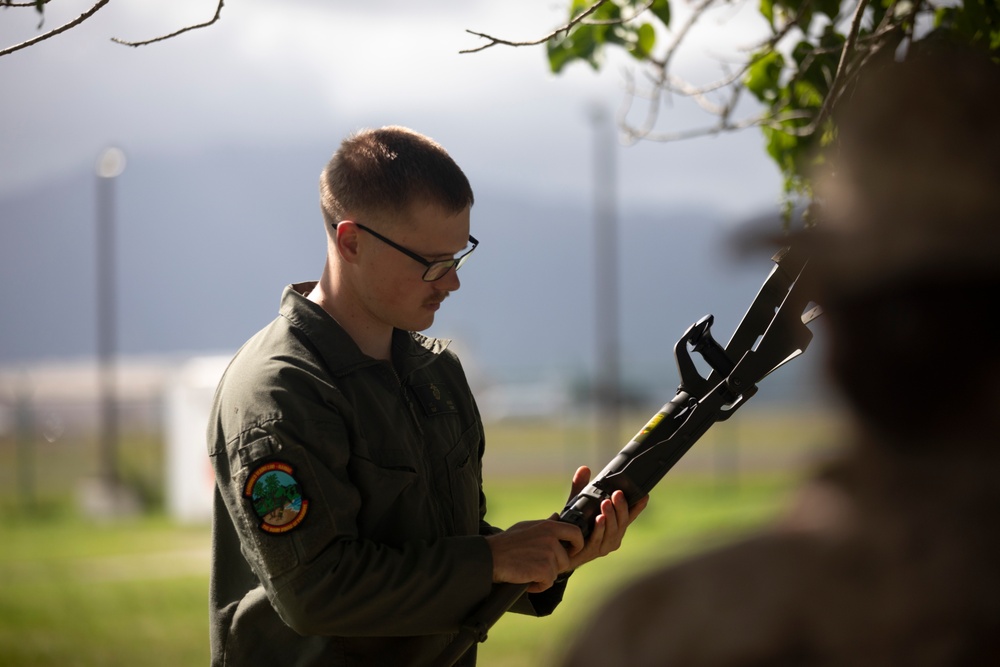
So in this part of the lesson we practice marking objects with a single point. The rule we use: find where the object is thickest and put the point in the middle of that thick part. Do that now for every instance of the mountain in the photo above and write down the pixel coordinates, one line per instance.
(205, 244)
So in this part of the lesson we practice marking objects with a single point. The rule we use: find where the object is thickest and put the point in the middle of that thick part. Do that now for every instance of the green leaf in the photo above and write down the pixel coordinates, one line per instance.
(806, 95)
(830, 8)
(975, 22)
(661, 10)
(832, 41)
(579, 44)
(577, 6)
(585, 42)
(780, 146)
(801, 10)
(767, 11)
(801, 51)
(618, 35)
(763, 76)
(644, 43)
(609, 11)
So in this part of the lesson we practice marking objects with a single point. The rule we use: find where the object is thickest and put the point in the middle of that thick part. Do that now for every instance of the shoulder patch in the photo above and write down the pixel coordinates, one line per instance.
(276, 496)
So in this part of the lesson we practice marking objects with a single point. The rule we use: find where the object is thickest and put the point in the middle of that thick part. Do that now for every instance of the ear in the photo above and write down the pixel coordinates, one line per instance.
(345, 240)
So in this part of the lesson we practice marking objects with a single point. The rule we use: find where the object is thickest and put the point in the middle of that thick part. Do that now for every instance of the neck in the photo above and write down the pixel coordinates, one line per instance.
(373, 339)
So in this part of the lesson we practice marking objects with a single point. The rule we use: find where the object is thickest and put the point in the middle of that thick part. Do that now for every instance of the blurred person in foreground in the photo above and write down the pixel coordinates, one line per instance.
(349, 524)
(889, 555)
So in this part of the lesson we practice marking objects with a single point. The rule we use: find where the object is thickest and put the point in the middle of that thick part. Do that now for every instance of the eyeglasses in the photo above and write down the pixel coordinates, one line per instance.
(435, 270)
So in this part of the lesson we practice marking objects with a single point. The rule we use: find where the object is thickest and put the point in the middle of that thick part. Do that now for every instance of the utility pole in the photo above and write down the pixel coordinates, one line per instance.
(110, 166)
(25, 439)
(608, 384)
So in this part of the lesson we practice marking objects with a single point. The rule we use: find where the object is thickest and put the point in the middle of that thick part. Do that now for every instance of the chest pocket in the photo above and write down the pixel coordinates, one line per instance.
(465, 481)
(390, 508)
(435, 399)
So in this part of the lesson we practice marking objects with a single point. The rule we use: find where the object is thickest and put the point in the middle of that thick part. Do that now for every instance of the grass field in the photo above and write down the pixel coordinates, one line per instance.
(134, 592)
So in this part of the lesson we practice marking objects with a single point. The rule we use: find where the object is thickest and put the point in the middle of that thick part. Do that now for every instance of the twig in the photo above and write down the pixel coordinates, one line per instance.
(696, 13)
(55, 31)
(622, 20)
(218, 13)
(839, 77)
(711, 130)
(493, 41)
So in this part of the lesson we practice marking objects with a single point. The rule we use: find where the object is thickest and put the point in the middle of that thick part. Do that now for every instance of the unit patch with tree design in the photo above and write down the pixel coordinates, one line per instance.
(277, 497)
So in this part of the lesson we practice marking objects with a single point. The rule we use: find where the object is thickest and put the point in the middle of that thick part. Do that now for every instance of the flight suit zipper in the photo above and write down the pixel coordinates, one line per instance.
(428, 476)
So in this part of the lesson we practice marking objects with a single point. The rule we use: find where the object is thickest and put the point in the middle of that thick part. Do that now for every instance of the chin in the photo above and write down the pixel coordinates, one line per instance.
(421, 323)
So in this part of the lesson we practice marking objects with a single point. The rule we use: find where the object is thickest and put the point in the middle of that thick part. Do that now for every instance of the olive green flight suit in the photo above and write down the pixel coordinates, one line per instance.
(349, 510)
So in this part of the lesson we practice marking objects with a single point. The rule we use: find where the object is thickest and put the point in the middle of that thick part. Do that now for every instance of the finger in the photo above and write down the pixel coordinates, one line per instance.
(612, 528)
(539, 586)
(610, 513)
(595, 543)
(581, 478)
(621, 509)
(570, 536)
(597, 533)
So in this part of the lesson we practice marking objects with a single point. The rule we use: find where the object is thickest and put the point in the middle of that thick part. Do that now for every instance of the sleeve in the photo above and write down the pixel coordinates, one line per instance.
(544, 603)
(529, 604)
(297, 515)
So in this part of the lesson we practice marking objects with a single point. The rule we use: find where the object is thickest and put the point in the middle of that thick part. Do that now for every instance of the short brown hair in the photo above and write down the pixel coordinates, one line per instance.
(385, 170)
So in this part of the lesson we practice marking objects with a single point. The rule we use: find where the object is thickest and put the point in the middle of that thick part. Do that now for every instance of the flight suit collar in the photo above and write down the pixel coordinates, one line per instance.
(410, 350)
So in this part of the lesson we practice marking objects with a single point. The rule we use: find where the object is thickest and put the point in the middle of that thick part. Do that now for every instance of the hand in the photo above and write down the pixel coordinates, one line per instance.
(534, 552)
(609, 525)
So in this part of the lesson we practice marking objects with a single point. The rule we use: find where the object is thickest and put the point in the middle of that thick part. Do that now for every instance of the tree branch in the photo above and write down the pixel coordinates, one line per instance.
(578, 20)
(493, 41)
(839, 77)
(845, 68)
(624, 19)
(665, 82)
(52, 33)
(691, 133)
(214, 19)
(696, 13)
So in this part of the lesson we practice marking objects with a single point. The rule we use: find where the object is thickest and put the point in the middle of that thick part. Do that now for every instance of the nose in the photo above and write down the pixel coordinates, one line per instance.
(449, 282)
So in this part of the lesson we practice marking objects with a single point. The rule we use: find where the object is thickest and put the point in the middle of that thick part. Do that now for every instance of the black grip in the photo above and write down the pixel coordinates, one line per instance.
(584, 508)
(771, 332)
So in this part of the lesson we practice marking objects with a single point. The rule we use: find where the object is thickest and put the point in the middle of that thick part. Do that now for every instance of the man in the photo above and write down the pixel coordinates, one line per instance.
(890, 557)
(349, 514)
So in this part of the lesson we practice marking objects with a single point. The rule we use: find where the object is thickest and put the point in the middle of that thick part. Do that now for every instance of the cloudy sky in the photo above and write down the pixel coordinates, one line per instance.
(299, 75)
(283, 72)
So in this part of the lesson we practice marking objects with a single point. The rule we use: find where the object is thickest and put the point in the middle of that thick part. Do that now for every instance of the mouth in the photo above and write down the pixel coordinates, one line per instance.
(435, 304)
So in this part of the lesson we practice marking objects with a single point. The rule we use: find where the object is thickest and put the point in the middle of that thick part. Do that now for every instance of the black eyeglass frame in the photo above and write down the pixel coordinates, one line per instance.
(447, 264)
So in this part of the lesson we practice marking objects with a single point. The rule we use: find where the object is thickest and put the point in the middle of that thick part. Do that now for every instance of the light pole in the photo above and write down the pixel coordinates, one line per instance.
(607, 386)
(110, 166)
